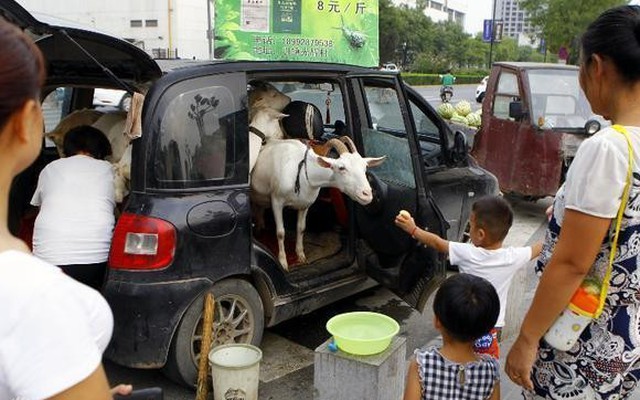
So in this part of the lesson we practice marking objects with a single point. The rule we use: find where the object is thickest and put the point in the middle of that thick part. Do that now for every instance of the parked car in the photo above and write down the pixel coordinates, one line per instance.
(533, 120)
(481, 89)
(186, 227)
(112, 98)
(389, 67)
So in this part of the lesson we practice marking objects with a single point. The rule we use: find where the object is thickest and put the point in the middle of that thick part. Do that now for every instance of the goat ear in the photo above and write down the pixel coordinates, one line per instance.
(323, 162)
(374, 162)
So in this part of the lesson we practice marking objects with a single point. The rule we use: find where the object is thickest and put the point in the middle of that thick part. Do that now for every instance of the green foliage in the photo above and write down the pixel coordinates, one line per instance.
(561, 22)
(435, 47)
(418, 79)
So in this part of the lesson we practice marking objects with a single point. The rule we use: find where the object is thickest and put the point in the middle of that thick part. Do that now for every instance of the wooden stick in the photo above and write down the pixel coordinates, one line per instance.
(207, 338)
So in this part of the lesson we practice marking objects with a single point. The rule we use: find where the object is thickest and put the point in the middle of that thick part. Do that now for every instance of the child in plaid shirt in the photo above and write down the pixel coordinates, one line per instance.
(465, 307)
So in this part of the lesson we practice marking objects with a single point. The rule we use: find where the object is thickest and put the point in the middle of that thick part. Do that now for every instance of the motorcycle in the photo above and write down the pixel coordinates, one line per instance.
(446, 93)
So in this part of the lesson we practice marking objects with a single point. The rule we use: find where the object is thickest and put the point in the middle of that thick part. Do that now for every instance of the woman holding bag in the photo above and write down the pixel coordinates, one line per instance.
(604, 363)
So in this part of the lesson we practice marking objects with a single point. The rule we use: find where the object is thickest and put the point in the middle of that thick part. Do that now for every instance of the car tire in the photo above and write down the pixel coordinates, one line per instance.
(231, 295)
(480, 98)
(125, 102)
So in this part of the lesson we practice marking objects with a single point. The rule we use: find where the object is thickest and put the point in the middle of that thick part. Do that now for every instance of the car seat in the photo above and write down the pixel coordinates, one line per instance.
(304, 121)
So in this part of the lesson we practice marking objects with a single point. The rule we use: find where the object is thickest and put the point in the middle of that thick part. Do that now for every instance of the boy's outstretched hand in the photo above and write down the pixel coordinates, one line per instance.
(405, 221)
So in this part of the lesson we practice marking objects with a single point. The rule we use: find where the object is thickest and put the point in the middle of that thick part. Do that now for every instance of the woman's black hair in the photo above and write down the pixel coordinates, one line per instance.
(616, 34)
(85, 138)
(22, 70)
(467, 306)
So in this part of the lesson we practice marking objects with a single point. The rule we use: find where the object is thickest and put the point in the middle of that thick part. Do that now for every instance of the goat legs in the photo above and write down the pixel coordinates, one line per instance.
(301, 226)
(277, 207)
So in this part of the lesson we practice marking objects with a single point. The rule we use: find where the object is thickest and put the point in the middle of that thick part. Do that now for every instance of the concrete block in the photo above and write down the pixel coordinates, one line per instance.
(342, 376)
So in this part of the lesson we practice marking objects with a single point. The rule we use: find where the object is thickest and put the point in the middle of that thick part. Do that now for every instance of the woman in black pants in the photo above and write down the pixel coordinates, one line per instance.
(75, 194)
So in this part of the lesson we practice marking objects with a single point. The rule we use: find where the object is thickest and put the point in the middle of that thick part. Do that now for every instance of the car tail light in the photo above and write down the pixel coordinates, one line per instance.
(142, 243)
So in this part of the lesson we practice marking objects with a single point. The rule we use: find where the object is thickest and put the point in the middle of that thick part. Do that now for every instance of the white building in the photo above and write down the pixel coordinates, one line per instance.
(164, 28)
(441, 10)
(515, 20)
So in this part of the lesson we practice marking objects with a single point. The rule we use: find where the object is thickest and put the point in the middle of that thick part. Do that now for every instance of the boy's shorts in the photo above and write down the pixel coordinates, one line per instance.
(488, 344)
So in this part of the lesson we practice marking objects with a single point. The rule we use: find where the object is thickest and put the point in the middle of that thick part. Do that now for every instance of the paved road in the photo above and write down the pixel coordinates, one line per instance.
(460, 92)
(287, 368)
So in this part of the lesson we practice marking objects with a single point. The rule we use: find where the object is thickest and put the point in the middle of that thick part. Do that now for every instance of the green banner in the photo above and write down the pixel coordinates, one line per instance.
(342, 31)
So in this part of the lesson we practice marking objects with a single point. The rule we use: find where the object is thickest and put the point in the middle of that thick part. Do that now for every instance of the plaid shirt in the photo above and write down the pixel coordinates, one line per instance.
(444, 379)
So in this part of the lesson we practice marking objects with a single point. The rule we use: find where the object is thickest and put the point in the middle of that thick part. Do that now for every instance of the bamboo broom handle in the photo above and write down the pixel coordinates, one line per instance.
(207, 338)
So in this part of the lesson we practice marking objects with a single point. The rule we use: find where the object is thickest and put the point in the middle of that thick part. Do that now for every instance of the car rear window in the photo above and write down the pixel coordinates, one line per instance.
(201, 136)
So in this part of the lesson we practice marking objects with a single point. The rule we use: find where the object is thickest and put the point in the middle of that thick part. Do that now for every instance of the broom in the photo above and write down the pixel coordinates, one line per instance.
(207, 338)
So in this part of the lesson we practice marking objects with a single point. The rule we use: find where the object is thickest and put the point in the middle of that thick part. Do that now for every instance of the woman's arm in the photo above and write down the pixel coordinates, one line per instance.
(413, 389)
(95, 386)
(578, 245)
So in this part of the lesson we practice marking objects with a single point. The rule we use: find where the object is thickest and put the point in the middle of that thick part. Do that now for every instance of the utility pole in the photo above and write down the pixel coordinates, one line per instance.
(493, 33)
(404, 55)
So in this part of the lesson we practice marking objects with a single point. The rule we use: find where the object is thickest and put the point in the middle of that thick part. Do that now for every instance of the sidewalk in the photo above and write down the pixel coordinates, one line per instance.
(299, 385)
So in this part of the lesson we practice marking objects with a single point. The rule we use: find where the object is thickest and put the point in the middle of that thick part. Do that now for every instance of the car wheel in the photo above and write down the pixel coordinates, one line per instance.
(125, 103)
(480, 97)
(238, 318)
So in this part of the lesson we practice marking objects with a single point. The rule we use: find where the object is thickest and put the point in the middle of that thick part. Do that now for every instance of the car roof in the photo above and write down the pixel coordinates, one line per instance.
(535, 65)
(266, 67)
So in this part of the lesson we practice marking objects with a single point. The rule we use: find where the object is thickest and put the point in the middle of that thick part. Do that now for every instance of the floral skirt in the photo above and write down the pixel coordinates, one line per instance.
(603, 364)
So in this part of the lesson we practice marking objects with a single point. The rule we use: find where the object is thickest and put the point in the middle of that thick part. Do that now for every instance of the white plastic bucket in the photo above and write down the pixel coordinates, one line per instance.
(235, 370)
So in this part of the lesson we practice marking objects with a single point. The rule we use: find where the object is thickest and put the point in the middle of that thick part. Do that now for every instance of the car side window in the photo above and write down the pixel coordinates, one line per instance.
(327, 97)
(428, 136)
(506, 92)
(386, 133)
(201, 140)
(55, 107)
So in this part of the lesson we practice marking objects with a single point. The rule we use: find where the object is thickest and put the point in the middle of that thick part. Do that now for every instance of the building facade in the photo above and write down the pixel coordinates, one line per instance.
(515, 21)
(440, 10)
(163, 28)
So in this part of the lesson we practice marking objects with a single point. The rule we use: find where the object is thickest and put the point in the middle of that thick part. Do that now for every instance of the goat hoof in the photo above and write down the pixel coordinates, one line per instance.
(285, 265)
(302, 259)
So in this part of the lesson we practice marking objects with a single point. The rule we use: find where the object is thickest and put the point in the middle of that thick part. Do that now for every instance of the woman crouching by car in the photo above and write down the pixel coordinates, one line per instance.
(76, 197)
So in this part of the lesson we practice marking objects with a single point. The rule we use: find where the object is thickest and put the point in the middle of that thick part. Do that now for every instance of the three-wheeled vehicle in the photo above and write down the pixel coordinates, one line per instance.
(534, 117)
(186, 227)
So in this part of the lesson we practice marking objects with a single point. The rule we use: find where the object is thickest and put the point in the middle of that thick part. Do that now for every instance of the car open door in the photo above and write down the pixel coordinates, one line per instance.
(383, 126)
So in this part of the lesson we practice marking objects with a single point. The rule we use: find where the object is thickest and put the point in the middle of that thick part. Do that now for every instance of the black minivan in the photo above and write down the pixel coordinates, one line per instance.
(186, 227)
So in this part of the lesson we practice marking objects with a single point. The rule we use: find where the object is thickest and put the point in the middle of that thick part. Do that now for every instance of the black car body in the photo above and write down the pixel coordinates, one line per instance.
(189, 200)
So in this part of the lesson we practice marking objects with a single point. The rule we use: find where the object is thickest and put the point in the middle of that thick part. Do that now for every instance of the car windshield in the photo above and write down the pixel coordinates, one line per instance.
(557, 101)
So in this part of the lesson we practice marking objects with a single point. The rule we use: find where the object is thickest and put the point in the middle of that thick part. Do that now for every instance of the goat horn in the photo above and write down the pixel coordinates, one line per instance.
(338, 145)
(349, 143)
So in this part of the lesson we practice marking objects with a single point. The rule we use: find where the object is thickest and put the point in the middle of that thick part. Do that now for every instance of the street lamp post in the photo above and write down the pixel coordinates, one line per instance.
(493, 33)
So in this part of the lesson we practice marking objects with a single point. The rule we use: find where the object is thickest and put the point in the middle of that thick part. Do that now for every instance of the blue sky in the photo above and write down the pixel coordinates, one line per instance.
(477, 12)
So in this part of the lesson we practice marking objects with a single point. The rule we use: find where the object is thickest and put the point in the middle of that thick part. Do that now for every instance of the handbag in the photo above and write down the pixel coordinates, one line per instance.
(566, 330)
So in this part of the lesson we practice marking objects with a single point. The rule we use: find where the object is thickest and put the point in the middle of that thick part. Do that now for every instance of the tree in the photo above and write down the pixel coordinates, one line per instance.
(402, 24)
(561, 22)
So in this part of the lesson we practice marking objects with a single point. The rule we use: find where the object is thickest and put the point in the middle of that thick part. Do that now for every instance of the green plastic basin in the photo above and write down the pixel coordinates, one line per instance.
(362, 333)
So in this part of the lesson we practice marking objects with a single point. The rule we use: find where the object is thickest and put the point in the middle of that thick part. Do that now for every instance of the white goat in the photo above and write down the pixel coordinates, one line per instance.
(288, 173)
(76, 118)
(264, 125)
(113, 126)
(265, 95)
(122, 175)
(265, 106)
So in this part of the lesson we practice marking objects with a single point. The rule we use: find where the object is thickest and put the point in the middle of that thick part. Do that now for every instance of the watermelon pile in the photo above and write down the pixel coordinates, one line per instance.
(460, 113)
